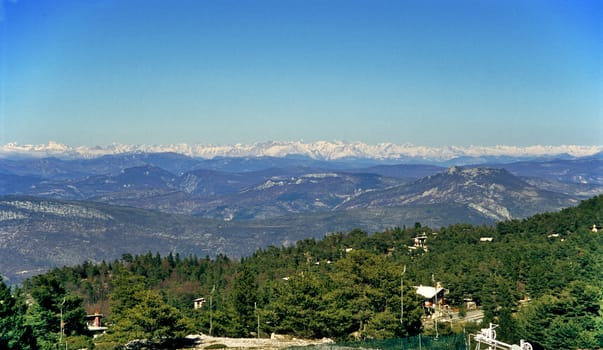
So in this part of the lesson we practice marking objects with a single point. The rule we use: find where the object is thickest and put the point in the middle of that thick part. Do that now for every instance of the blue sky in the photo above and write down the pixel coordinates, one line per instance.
(427, 72)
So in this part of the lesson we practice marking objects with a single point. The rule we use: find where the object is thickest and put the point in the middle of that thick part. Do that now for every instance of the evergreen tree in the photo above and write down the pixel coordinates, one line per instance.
(298, 307)
(124, 295)
(334, 292)
(55, 313)
(150, 319)
(14, 333)
(245, 298)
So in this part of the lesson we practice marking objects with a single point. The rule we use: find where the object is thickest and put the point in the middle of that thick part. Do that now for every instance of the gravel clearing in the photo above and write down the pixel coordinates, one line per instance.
(254, 343)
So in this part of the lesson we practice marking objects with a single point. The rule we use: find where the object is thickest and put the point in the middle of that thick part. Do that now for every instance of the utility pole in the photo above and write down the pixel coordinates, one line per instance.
(402, 295)
(211, 296)
(62, 323)
(435, 305)
(255, 306)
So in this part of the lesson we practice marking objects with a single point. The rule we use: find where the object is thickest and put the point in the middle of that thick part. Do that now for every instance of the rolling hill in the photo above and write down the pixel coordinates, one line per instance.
(65, 211)
(37, 234)
(495, 193)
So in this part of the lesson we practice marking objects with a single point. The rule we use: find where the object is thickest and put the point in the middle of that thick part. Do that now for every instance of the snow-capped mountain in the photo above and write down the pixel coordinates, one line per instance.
(324, 150)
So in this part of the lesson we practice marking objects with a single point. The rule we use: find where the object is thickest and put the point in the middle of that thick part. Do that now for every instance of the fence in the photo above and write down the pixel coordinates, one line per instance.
(419, 342)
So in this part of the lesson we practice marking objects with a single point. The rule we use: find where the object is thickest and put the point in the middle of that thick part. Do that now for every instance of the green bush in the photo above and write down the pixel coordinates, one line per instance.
(79, 342)
(106, 346)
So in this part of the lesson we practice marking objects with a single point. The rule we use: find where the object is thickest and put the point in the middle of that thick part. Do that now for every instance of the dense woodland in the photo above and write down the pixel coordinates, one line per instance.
(540, 279)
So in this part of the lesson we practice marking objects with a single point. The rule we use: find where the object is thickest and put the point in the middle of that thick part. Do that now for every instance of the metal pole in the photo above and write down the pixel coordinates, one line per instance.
(435, 305)
(211, 297)
(402, 295)
(62, 324)
(255, 306)
(401, 300)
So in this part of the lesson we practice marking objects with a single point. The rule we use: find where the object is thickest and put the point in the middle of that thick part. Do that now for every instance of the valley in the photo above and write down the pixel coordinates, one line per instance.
(56, 212)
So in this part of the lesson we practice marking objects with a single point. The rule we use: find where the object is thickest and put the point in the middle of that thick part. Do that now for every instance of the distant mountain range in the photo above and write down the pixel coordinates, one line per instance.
(321, 150)
(266, 187)
(56, 211)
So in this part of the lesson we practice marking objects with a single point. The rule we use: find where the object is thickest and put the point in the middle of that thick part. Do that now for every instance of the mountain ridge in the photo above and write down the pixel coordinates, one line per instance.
(64, 211)
(321, 150)
(37, 234)
(494, 192)
(267, 187)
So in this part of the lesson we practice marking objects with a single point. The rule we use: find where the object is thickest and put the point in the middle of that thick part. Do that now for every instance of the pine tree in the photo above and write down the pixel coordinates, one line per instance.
(245, 298)
(14, 334)
(151, 319)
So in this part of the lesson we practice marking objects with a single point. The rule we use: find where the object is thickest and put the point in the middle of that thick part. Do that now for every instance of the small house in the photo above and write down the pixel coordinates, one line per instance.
(198, 303)
(94, 323)
(421, 242)
(434, 296)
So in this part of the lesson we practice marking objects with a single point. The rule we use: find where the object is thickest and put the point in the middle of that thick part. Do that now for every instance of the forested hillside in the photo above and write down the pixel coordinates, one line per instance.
(540, 279)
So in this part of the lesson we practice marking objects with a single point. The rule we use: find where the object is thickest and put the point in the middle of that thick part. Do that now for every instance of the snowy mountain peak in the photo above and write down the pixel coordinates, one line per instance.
(324, 150)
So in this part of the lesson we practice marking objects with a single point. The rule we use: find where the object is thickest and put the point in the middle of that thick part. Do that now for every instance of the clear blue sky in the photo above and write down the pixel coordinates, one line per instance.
(427, 72)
